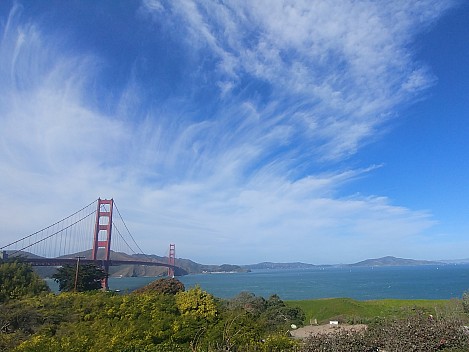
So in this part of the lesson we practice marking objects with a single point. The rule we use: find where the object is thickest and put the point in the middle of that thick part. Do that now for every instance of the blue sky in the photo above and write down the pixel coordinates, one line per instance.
(244, 131)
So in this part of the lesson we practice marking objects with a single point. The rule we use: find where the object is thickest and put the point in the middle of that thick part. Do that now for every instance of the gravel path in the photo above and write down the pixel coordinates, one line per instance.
(306, 331)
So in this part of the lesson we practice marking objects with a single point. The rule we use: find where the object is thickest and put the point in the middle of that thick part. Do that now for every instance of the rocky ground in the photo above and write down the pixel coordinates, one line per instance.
(309, 330)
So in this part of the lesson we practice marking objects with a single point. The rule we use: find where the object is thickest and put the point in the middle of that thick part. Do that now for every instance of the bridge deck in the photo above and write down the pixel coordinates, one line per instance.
(73, 261)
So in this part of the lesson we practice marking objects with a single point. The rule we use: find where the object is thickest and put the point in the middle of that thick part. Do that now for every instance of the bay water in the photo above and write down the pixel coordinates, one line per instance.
(361, 283)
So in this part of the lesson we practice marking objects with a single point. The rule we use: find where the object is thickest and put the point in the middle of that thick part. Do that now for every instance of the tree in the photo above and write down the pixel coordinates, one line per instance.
(198, 311)
(277, 313)
(18, 279)
(198, 303)
(465, 301)
(248, 302)
(167, 286)
(88, 278)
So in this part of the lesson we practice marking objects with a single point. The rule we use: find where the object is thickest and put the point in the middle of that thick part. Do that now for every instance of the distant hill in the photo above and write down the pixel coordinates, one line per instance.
(22, 254)
(191, 267)
(195, 268)
(42, 271)
(455, 261)
(270, 265)
(393, 261)
(188, 266)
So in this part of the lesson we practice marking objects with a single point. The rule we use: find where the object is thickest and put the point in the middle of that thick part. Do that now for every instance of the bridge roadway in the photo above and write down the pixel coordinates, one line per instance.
(73, 261)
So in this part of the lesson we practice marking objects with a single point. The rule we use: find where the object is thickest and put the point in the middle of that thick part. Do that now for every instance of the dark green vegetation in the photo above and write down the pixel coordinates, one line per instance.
(159, 317)
(168, 286)
(17, 279)
(79, 278)
(100, 321)
(164, 317)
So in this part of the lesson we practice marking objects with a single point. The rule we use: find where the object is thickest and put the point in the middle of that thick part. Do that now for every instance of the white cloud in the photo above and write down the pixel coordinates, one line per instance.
(230, 186)
(348, 60)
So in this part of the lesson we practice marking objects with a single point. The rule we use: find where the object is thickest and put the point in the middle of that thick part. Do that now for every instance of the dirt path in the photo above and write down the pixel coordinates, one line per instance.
(324, 329)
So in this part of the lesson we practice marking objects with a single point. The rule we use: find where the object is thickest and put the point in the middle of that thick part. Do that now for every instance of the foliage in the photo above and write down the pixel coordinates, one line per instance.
(198, 311)
(465, 301)
(273, 311)
(188, 321)
(88, 278)
(279, 343)
(77, 322)
(197, 303)
(418, 332)
(248, 322)
(18, 279)
(248, 302)
(278, 314)
(169, 286)
(17, 323)
(196, 321)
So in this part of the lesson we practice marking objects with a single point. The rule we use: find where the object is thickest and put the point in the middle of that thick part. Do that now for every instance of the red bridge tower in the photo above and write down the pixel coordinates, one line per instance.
(171, 259)
(102, 235)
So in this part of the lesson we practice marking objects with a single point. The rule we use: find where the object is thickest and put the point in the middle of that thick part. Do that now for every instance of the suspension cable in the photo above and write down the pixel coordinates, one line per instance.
(122, 237)
(132, 237)
(55, 233)
(48, 227)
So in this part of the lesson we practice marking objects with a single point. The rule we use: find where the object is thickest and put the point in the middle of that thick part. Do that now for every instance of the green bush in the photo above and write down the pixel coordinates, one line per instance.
(465, 301)
(419, 332)
(17, 279)
(168, 286)
(188, 321)
(81, 278)
(196, 321)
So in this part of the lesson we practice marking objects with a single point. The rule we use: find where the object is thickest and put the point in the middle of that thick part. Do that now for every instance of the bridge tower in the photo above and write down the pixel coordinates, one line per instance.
(102, 234)
(171, 259)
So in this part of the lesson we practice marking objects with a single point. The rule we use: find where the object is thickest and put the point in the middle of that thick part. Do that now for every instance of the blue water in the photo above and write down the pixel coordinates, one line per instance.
(362, 283)
(365, 283)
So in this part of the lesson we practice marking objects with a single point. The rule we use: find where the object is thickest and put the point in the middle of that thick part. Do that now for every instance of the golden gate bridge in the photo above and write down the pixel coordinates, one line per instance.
(68, 242)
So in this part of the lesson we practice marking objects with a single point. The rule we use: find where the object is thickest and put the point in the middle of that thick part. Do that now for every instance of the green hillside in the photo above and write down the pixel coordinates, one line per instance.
(352, 311)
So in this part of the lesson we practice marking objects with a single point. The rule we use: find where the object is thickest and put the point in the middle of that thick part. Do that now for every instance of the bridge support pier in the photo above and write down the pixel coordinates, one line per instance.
(171, 259)
(102, 235)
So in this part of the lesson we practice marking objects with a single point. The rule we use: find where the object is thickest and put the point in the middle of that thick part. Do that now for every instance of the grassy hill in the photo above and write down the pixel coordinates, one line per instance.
(352, 311)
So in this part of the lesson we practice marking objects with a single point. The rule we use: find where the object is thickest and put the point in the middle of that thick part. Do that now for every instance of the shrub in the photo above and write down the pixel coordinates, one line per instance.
(418, 332)
(465, 301)
(17, 279)
(168, 286)
(86, 277)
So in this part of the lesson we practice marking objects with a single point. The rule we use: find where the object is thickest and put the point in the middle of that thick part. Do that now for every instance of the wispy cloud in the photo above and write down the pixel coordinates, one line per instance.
(291, 89)
(346, 63)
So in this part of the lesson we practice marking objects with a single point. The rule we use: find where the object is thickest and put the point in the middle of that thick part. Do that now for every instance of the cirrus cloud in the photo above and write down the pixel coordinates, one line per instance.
(244, 163)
